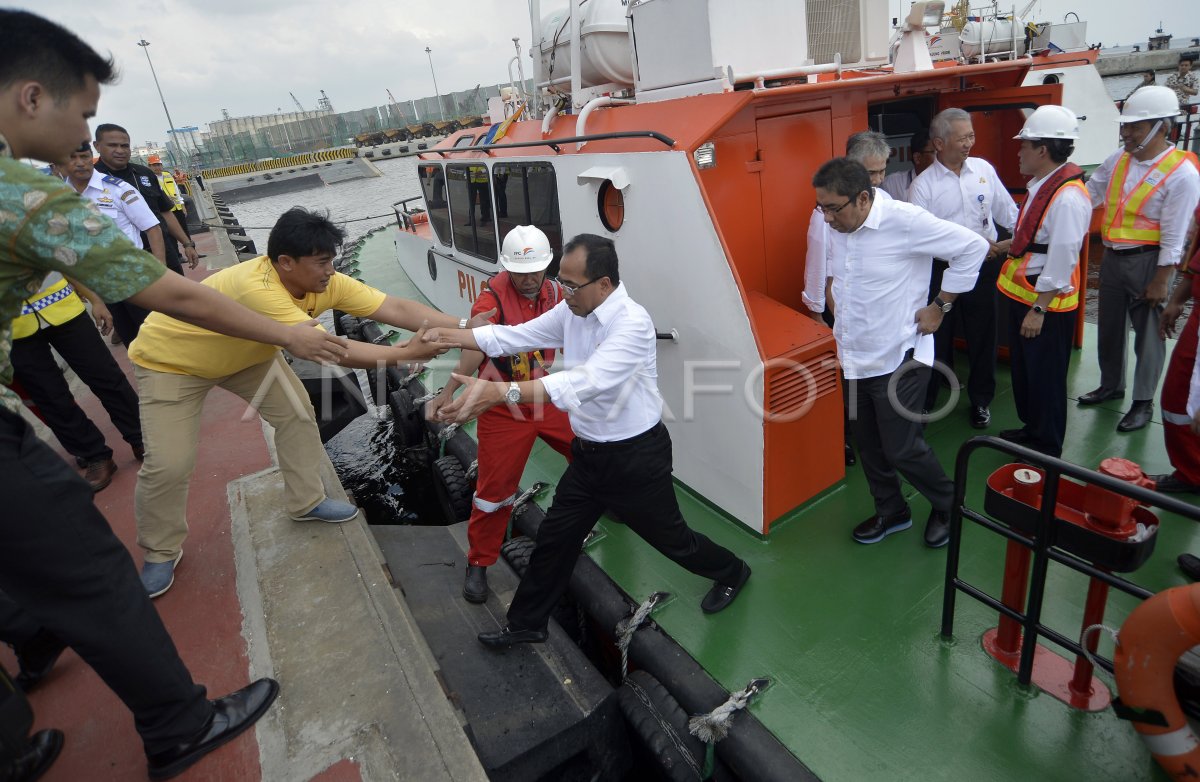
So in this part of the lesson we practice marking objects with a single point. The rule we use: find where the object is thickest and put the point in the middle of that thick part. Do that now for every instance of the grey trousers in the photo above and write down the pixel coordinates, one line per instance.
(1123, 279)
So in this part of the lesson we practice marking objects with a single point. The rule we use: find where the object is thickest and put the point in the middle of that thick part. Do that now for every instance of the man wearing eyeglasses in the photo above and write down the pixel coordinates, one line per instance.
(880, 253)
(621, 451)
(966, 190)
(922, 153)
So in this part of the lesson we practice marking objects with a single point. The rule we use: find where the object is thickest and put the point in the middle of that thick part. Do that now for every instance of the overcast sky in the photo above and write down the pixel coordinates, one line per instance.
(246, 55)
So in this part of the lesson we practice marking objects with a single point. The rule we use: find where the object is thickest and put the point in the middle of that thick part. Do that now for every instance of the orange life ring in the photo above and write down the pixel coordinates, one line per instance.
(1150, 643)
(419, 218)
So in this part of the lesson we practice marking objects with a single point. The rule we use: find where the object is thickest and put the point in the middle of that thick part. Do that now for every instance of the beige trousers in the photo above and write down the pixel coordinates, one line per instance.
(171, 405)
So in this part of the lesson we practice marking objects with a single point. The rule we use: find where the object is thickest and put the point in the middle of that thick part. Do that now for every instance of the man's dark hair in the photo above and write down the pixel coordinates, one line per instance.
(299, 232)
(1059, 149)
(843, 176)
(84, 147)
(601, 258)
(108, 127)
(35, 48)
(920, 138)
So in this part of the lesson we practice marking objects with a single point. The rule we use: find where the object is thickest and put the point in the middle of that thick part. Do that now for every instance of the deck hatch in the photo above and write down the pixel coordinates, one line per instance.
(793, 387)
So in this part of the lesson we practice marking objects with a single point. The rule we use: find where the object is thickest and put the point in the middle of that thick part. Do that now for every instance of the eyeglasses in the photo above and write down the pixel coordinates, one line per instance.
(571, 290)
(825, 210)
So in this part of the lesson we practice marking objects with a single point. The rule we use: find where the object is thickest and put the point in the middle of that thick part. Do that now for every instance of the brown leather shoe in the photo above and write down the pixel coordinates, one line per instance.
(99, 473)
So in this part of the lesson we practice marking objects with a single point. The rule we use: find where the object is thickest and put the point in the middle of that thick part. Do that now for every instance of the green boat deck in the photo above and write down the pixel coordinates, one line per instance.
(863, 685)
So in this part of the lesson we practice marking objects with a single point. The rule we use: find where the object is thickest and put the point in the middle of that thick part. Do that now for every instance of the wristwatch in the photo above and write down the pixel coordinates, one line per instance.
(190, 244)
(462, 323)
(1039, 309)
(513, 394)
(944, 306)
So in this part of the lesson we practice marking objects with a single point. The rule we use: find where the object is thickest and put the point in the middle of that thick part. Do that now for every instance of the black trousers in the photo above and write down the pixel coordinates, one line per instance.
(1039, 375)
(975, 310)
(633, 480)
(127, 319)
(62, 566)
(16, 718)
(889, 443)
(80, 344)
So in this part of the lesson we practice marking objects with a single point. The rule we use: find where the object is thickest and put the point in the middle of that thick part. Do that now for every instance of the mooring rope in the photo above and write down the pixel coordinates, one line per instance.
(473, 470)
(447, 432)
(528, 494)
(1083, 639)
(427, 398)
(714, 726)
(630, 624)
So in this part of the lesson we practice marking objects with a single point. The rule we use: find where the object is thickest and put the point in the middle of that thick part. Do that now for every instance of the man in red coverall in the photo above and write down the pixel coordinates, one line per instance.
(506, 433)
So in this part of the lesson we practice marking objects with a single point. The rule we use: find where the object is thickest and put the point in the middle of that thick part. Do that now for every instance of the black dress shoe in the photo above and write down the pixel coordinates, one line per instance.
(980, 417)
(36, 658)
(475, 588)
(721, 595)
(231, 715)
(851, 459)
(878, 527)
(1100, 395)
(505, 637)
(1138, 416)
(1019, 436)
(937, 529)
(1190, 565)
(1171, 483)
(35, 759)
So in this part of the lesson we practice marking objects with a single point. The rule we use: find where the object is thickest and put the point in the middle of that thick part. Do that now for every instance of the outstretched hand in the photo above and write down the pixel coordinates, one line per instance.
(420, 348)
(314, 344)
(477, 397)
(482, 319)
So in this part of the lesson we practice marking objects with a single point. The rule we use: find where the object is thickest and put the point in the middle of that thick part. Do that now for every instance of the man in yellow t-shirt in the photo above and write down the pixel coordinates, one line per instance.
(176, 365)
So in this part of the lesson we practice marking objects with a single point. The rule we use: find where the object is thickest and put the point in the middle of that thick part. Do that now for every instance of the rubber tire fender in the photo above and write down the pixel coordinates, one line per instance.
(452, 489)
(409, 425)
(517, 551)
(661, 726)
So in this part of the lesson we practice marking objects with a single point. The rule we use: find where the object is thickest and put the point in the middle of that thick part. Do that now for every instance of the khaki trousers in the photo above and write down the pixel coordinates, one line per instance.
(171, 405)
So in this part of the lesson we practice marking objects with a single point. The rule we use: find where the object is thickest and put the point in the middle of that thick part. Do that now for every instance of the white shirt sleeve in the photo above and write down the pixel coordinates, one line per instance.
(1004, 208)
(816, 271)
(619, 357)
(920, 193)
(962, 247)
(136, 210)
(544, 331)
(1097, 183)
(1067, 221)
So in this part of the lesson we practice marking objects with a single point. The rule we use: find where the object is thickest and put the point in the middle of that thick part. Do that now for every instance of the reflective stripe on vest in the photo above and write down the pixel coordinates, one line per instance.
(56, 304)
(1013, 283)
(1124, 221)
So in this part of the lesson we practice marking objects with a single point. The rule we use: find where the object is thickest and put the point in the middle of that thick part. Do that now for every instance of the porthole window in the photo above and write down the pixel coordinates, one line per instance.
(611, 206)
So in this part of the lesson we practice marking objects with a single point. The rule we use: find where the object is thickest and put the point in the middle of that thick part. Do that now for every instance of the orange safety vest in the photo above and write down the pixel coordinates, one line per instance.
(1012, 281)
(1124, 219)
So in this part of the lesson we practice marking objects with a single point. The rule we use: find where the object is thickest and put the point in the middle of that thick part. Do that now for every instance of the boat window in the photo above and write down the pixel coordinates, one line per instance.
(611, 206)
(433, 186)
(527, 194)
(471, 210)
(464, 141)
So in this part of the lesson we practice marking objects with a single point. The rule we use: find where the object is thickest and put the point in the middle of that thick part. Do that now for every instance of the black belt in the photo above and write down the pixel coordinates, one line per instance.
(1149, 248)
(588, 446)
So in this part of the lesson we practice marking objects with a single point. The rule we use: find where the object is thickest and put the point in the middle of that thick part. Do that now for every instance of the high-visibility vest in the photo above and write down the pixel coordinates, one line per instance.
(1012, 281)
(169, 187)
(55, 304)
(1124, 219)
(510, 310)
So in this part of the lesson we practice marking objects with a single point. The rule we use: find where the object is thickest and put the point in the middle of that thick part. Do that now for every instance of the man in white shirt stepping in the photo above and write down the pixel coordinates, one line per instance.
(880, 253)
(967, 191)
(621, 452)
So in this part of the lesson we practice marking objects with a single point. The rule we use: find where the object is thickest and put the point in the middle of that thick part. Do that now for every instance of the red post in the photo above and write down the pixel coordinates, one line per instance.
(1093, 613)
(1016, 583)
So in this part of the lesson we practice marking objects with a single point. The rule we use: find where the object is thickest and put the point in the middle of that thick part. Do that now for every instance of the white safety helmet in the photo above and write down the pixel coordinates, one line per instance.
(1048, 122)
(526, 250)
(1150, 103)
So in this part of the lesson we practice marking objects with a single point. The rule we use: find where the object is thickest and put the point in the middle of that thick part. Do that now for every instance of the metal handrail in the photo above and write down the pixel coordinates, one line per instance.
(1043, 552)
(554, 143)
(403, 215)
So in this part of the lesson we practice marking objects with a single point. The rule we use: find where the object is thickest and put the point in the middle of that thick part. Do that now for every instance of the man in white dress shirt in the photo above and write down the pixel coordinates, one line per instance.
(1040, 278)
(967, 191)
(922, 153)
(879, 260)
(621, 452)
(1148, 189)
